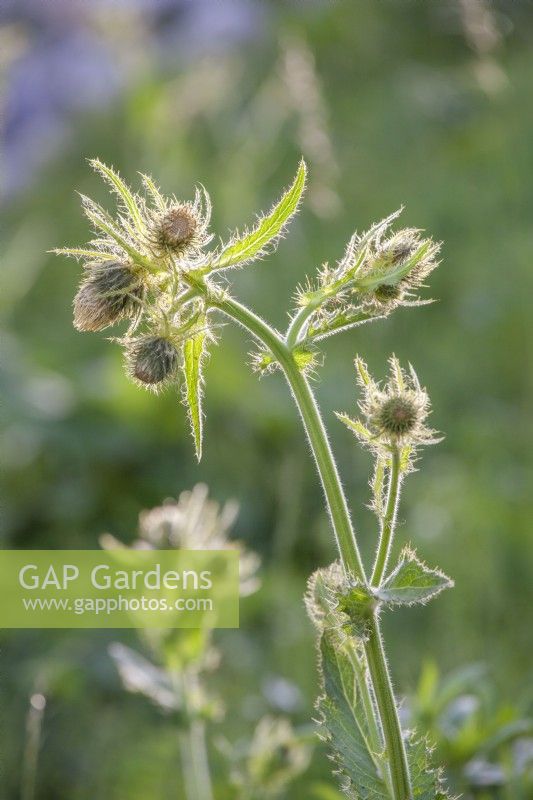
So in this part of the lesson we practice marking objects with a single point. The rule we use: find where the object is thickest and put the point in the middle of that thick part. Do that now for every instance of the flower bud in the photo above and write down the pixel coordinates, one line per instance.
(110, 292)
(175, 229)
(398, 415)
(394, 415)
(152, 360)
(387, 293)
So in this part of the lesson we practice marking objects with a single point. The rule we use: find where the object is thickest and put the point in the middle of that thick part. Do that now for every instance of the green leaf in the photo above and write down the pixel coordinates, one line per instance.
(345, 729)
(412, 582)
(354, 425)
(153, 191)
(344, 726)
(119, 187)
(80, 252)
(426, 780)
(252, 244)
(193, 353)
(104, 222)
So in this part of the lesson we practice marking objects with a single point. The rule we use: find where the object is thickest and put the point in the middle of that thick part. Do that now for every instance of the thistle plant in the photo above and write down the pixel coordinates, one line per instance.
(154, 263)
(174, 675)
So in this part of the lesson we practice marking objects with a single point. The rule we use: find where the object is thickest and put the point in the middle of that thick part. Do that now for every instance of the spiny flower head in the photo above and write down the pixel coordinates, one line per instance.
(179, 229)
(152, 360)
(393, 415)
(379, 271)
(395, 268)
(110, 291)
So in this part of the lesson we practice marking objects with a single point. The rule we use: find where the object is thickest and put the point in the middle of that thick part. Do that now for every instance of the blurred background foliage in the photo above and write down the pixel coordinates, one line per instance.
(426, 104)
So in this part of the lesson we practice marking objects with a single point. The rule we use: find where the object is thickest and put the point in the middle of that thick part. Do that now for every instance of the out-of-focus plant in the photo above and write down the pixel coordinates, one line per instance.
(263, 767)
(486, 745)
(154, 265)
(174, 676)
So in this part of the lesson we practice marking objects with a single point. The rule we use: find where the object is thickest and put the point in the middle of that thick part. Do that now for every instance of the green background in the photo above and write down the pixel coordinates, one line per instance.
(391, 103)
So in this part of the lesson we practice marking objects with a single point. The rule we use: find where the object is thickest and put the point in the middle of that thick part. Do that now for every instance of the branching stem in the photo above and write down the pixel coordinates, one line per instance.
(399, 779)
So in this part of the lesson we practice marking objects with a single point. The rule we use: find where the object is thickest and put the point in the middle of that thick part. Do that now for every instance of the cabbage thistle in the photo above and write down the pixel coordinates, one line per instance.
(171, 294)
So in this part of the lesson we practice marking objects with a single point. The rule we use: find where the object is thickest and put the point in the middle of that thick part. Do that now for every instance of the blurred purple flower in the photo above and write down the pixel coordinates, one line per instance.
(67, 66)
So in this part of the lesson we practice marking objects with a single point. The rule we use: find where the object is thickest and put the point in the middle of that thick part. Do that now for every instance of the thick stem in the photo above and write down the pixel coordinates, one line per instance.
(389, 520)
(305, 401)
(342, 526)
(392, 732)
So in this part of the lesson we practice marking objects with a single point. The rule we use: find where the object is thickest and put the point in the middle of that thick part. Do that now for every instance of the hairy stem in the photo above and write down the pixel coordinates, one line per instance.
(298, 323)
(388, 523)
(342, 526)
(316, 432)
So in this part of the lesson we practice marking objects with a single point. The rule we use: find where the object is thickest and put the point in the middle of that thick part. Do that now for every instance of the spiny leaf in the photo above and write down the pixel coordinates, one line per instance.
(153, 191)
(354, 425)
(253, 244)
(193, 353)
(344, 727)
(378, 488)
(412, 582)
(426, 780)
(101, 220)
(120, 188)
(377, 278)
(80, 252)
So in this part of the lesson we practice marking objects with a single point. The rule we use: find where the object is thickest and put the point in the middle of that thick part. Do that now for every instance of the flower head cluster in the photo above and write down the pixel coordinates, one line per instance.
(394, 415)
(395, 268)
(133, 270)
(379, 271)
(150, 264)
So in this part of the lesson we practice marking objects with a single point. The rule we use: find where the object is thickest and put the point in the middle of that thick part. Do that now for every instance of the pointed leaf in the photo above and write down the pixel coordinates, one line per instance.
(354, 425)
(103, 222)
(426, 780)
(80, 252)
(344, 726)
(253, 244)
(412, 582)
(153, 191)
(193, 353)
(120, 188)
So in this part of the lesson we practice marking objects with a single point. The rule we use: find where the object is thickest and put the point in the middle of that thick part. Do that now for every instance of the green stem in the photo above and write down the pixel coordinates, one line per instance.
(392, 732)
(305, 401)
(298, 323)
(389, 519)
(193, 750)
(342, 526)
